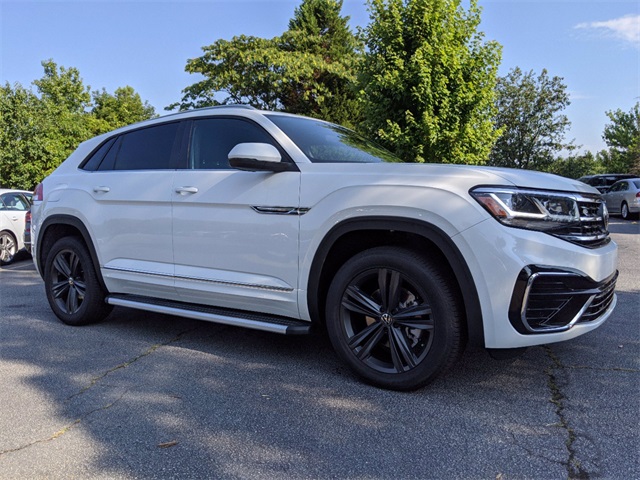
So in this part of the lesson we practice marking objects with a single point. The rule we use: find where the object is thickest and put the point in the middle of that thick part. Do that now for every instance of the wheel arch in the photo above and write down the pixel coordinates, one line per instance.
(355, 235)
(59, 226)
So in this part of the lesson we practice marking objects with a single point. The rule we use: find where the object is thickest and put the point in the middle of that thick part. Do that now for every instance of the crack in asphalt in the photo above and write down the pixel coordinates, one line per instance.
(575, 469)
(63, 430)
(94, 381)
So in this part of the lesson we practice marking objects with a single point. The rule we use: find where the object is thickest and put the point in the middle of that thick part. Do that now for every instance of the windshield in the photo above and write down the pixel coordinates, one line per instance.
(324, 142)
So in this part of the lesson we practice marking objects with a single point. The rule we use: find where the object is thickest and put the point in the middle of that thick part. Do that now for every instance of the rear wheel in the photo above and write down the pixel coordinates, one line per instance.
(624, 210)
(8, 248)
(393, 316)
(71, 284)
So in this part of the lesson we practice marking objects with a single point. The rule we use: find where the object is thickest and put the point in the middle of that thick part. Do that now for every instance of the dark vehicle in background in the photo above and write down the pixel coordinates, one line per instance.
(623, 198)
(604, 181)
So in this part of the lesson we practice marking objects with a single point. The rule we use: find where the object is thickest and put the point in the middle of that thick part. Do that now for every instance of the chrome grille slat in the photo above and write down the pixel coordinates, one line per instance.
(556, 303)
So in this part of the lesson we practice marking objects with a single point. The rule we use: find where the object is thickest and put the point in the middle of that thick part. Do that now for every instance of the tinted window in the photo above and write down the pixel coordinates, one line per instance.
(212, 139)
(94, 161)
(324, 142)
(636, 183)
(147, 149)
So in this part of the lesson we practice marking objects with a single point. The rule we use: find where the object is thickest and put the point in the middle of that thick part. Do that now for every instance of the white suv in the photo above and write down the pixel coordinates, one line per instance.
(279, 222)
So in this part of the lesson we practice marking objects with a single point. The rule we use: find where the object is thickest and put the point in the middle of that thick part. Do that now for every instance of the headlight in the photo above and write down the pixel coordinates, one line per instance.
(576, 217)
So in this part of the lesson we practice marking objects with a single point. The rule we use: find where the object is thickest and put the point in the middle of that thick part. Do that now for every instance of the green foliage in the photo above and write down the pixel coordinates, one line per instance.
(529, 117)
(308, 70)
(576, 166)
(622, 136)
(39, 130)
(122, 108)
(428, 81)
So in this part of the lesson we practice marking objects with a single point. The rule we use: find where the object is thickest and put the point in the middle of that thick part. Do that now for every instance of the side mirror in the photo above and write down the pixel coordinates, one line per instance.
(258, 157)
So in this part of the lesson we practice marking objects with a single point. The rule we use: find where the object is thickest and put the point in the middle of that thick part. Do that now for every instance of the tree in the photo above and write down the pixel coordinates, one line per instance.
(308, 70)
(530, 119)
(22, 151)
(428, 81)
(39, 130)
(122, 108)
(622, 136)
(576, 166)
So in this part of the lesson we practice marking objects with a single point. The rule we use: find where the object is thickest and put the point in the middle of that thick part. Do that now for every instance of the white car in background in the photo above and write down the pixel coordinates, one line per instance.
(278, 222)
(623, 198)
(13, 208)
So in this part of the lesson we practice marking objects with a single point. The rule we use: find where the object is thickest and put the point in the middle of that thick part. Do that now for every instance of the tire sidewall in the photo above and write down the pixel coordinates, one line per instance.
(421, 272)
(92, 308)
(624, 210)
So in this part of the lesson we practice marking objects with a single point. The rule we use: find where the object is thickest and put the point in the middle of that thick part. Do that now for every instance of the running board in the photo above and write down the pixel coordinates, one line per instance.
(225, 316)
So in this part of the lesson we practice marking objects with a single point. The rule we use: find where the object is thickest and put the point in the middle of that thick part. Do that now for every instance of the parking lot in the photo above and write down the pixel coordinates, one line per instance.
(143, 395)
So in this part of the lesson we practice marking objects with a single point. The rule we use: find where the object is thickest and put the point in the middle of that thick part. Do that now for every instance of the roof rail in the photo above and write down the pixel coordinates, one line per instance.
(239, 105)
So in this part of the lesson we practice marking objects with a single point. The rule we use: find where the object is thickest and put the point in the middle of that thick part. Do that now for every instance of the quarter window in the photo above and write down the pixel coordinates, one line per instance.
(94, 161)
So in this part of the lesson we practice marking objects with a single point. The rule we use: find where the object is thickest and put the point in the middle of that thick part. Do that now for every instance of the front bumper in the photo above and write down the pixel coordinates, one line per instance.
(503, 261)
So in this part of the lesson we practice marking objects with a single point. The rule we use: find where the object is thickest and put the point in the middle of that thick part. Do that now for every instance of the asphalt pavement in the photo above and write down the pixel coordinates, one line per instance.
(153, 396)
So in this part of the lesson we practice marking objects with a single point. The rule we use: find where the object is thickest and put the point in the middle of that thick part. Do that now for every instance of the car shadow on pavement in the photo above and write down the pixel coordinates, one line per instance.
(147, 395)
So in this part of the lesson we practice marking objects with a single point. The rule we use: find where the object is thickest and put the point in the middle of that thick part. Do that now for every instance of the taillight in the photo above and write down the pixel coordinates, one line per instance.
(38, 193)
(638, 194)
(27, 217)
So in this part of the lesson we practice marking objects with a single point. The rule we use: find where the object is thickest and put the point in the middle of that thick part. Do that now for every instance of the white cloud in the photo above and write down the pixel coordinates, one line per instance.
(625, 28)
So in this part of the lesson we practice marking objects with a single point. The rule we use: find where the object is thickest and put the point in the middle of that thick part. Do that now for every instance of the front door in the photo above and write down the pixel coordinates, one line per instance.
(235, 232)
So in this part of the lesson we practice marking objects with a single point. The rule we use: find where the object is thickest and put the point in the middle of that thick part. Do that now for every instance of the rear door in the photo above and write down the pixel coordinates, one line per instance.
(235, 232)
(129, 212)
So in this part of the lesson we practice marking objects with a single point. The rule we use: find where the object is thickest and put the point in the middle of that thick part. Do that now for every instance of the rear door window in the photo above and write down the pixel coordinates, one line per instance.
(147, 149)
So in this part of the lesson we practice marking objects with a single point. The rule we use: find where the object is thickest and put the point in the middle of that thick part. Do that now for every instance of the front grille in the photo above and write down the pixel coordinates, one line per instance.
(554, 300)
(592, 228)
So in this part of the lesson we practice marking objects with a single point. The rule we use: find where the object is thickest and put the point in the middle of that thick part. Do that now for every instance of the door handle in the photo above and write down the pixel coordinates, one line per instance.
(101, 189)
(185, 190)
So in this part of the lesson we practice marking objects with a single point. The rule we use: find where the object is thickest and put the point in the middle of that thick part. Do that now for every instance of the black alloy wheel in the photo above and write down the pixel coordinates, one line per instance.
(392, 315)
(71, 284)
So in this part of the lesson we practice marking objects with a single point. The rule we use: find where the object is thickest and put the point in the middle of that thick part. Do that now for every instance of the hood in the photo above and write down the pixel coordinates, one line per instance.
(449, 176)
(546, 181)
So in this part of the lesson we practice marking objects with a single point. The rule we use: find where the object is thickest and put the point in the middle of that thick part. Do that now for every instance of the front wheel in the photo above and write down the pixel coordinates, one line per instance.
(71, 284)
(8, 248)
(393, 316)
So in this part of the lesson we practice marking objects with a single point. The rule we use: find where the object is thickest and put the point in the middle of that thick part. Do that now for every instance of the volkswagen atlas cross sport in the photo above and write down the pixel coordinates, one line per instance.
(278, 222)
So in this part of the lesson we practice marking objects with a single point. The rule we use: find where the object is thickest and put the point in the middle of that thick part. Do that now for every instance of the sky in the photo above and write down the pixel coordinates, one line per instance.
(594, 45)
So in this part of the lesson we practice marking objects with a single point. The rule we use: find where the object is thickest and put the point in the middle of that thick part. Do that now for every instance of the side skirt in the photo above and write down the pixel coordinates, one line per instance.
(225, 316)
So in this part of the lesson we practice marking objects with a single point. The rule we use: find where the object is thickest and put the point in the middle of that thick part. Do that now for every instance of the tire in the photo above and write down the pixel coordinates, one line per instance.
(8, 248)
(394, 318)
(71, 284)
(624, 211)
